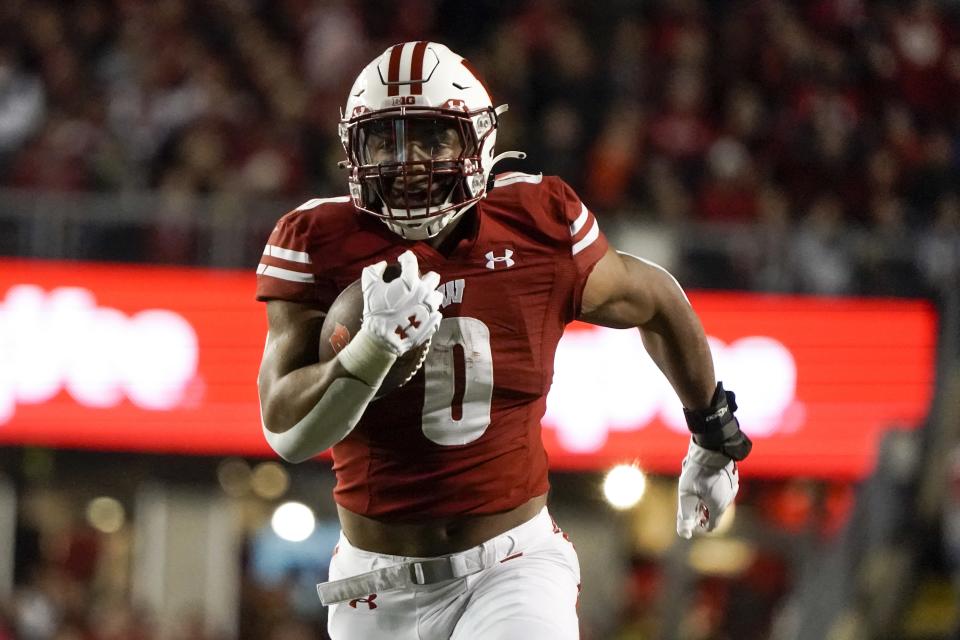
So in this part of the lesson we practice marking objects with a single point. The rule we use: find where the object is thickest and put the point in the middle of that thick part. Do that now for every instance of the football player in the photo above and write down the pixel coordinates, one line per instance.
(442, 483)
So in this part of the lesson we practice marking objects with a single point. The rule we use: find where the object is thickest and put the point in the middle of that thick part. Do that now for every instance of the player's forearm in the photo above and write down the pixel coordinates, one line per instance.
(285, 400)
(675, 340)
(315, 417)
(677, 344)
(310, 409)
(330, 420)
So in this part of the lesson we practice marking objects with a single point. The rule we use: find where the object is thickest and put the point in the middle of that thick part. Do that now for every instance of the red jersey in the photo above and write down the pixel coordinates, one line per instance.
(463, 436)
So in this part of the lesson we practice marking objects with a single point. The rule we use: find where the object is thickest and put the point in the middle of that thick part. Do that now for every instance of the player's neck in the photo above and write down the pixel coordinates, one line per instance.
(451, 235)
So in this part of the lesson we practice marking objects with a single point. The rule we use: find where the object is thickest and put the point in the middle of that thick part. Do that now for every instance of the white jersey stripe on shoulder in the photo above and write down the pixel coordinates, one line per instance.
(287, 254)
(588, 239)
(310, 204)
(284, 274)
(512, 178)
(580, 221)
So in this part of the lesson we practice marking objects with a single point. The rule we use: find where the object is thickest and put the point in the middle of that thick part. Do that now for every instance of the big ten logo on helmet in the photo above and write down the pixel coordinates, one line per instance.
(628, 392)
(62, 340)
(400, 101)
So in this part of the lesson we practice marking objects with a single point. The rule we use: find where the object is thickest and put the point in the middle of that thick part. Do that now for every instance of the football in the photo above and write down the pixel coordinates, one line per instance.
(342, 323)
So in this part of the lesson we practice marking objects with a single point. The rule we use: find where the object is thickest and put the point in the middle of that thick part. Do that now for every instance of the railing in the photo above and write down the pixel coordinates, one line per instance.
(223, 230)
(215, 230)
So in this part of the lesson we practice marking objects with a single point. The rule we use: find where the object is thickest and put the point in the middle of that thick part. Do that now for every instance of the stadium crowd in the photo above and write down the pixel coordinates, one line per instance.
(799, 122)
(828, 134)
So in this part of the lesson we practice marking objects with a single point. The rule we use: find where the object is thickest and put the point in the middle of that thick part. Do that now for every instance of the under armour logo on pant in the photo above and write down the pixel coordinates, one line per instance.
(402, 331)
(506, 259)
(369, 601)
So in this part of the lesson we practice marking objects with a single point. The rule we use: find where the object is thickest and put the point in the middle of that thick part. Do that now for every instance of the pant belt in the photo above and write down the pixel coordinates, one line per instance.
(405, 574)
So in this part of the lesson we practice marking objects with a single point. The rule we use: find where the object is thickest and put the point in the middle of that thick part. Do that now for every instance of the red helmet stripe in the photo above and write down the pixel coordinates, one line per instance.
(416, 68)
(393, 71)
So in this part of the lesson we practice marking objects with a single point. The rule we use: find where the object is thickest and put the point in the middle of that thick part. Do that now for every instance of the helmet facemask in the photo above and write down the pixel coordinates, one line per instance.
(418, 168)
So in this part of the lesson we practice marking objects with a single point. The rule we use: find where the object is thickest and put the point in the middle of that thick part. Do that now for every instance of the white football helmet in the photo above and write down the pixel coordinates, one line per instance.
(419, 129)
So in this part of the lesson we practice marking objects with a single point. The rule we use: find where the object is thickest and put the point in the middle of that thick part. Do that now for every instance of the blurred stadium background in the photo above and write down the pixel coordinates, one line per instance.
(803, 155)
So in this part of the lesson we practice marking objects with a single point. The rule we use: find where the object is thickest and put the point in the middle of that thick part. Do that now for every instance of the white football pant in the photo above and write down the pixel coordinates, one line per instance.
(528, 590)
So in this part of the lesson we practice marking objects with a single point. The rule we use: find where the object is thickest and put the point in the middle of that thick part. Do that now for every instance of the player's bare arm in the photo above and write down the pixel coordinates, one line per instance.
(308, 406)
(291, 378)
(624, 291)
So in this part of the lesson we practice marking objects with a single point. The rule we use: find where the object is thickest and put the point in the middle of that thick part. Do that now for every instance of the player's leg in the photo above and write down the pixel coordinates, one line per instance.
(375, 615)
(530, 594)
(426, 612)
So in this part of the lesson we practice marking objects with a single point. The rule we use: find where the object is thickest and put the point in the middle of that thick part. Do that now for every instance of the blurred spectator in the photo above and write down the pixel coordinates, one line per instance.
(884, 263)
(617, 152)
(680, 131)
(728, 194)
(937, 174)
(21, 102)
(926, 51)
(680, 111)
(938, 252)
(332, 32)
(764, 256)
(823, 260)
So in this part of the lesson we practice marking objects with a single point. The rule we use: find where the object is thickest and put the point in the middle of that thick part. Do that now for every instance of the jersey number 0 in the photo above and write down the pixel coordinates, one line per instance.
(458, 382)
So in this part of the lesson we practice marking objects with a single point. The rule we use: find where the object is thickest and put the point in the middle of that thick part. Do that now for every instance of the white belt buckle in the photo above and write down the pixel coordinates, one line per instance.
(416, 573)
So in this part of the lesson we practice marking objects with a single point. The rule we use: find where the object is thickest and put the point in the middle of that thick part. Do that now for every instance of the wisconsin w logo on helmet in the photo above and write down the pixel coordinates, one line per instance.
(419, 130)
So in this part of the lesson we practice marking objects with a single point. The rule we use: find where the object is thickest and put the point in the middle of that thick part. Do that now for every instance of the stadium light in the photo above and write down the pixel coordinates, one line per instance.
(105, 514)
(270, 480)
(624, 486)
(293, 521)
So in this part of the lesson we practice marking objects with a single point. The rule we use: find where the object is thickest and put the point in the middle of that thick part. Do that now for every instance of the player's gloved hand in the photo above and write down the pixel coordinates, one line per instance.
(404, 313)
(709, 480)
(708, 484)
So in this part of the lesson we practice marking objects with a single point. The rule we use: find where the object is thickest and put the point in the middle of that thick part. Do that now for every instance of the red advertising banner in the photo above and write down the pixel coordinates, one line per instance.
(164, 359)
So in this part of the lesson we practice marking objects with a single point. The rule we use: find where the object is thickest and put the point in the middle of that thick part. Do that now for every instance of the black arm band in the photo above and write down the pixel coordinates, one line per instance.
(716, 428)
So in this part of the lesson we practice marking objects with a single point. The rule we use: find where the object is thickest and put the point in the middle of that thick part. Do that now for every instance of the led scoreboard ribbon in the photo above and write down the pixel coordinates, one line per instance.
(165, 359)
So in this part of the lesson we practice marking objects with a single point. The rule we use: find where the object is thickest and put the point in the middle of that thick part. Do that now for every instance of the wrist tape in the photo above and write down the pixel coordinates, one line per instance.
(716, 428)
(365, 358)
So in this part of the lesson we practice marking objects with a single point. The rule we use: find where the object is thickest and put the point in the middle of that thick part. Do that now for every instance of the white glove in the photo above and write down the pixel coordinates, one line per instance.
(404, 313)
(708, 484)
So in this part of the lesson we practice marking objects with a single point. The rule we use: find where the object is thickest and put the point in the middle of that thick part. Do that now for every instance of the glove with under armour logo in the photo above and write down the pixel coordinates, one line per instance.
(404, 313)
(709, 480)
(708, 484)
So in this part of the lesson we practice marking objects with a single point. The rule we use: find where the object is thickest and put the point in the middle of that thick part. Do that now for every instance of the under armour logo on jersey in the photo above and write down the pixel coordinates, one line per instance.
(369, 601)
(506, 259)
